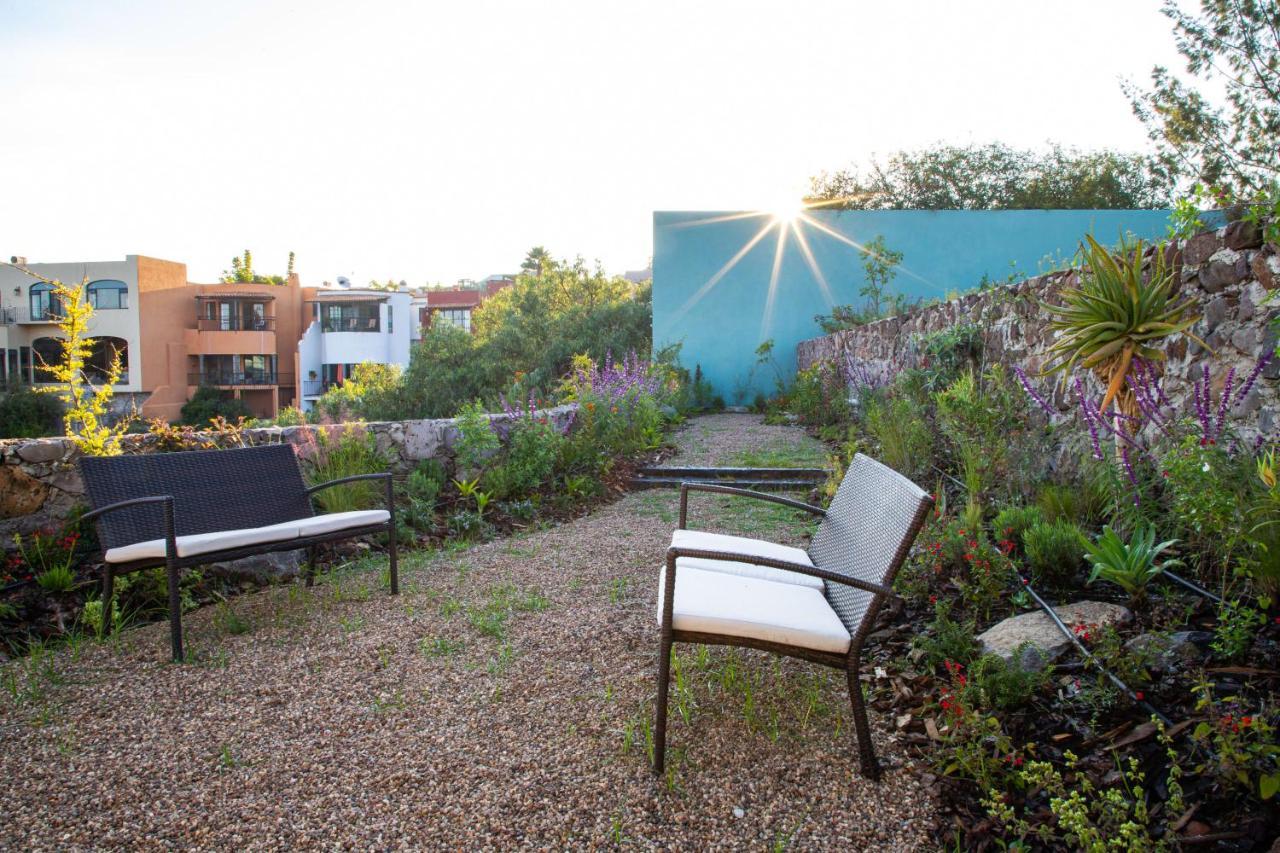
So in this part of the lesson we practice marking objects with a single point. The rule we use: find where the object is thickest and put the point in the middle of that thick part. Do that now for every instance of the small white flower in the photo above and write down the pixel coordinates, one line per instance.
(1204, 467)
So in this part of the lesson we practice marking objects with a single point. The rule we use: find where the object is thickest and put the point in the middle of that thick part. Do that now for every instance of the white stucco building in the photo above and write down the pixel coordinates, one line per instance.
(348, 326)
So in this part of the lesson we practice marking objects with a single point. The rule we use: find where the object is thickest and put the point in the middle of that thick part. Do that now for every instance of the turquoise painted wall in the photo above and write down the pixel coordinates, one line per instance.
(721, 311)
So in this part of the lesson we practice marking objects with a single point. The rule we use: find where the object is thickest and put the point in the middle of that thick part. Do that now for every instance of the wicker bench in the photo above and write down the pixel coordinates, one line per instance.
(180, 510)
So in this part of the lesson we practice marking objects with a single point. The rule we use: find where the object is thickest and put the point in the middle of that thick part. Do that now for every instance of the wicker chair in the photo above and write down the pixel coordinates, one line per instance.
(817, 605)
(180, 510)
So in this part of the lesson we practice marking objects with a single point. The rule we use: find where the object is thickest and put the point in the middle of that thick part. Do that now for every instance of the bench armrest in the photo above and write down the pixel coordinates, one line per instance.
(355, 478)
(685, 488)
(675, 552)
(170, 536)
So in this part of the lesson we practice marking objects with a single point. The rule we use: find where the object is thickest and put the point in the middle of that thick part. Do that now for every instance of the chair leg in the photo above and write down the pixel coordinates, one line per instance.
(310, 574)
(108, 583)
(866, 751)
(175, 612)
(660, 712)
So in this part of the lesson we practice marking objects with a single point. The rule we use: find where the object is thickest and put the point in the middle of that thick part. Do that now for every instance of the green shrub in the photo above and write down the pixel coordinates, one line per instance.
(208, 403)
(819, 396)
(1086, 502)
(1012, 522)
(996, 684)
(291, 416)
(901, 430)
(477, 442)
(26, 413)
(1054, 551)
(532, 448)
(353, 451)
(946, 639)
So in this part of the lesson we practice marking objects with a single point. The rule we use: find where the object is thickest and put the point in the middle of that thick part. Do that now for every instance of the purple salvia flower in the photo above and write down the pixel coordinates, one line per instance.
(1128, 471)
(1222, 402)
(1031, 392)
(1253, 375)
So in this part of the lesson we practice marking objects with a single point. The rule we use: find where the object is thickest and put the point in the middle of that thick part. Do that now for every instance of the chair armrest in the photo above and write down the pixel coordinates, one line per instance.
(675, 552)
(685, 488)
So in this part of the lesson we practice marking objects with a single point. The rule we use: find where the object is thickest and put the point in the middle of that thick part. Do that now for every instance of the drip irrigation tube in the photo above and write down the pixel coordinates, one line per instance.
(1189, 585)
(1066, 632)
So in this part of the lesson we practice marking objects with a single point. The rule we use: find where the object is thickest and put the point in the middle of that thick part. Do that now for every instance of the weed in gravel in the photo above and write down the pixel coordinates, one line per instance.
(490, 618)
(226, 759)
(499, 665)
(229, 622)
(450, 607)
(618, 591)
(386, 704)
(439, 647)
(27, 681)
(351, 624)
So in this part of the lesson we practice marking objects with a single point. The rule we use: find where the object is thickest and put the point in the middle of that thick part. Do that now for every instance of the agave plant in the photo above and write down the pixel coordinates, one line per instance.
(1117, 314)
(1132, 565)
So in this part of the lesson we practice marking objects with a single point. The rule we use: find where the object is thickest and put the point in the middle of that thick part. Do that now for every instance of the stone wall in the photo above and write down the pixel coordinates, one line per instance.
(1232, 276)
(40, 483)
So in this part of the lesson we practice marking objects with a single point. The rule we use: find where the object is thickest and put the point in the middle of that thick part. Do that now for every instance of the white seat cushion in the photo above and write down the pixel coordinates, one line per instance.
(335, 521)
(743, 545)
(737, 606)
(194, 544)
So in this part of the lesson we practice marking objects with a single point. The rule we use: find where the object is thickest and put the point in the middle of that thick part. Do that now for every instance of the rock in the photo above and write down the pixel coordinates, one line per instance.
(42, 451)
(260, 569)
(68, 480)
(1162, 651)
(20, 493)
(1226, 267)
(1200, 248)
(1039, 639)
(1242, 235)
(1214, 313)
(1266, 269)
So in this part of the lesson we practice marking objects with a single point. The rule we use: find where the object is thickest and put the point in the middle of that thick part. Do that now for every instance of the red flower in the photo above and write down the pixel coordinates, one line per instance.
(1140, 695)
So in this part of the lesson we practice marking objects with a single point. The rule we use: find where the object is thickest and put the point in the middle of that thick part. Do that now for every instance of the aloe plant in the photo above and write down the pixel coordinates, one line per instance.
(1117, 314)
(1131, 565)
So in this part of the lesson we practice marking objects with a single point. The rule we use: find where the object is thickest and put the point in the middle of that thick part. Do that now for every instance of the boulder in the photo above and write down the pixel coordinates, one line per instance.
(42, 451)
(1032, 640)
(1266, 269)
(1200, 248)
(1162, 652)
(260, 569)
(20, 493)
(1225, 268)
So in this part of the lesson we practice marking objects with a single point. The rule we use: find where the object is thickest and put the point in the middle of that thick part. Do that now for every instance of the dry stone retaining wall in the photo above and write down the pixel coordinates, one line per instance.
(1233, 277)
(40, 482)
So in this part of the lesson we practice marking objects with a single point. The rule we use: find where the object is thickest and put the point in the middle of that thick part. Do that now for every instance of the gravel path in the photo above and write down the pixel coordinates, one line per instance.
(502, 701)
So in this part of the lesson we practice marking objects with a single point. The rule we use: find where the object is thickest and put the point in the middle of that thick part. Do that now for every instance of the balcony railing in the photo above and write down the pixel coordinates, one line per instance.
(350, 324)
(222, 378)
(20, 315)
(313, 387)
(236, 324)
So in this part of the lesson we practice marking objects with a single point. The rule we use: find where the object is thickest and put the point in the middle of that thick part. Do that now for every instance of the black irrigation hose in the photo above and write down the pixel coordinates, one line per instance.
(1089, 655)
(1189, 585)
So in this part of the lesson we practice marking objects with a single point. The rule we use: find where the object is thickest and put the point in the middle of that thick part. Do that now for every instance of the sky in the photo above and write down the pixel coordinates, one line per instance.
(433, 141)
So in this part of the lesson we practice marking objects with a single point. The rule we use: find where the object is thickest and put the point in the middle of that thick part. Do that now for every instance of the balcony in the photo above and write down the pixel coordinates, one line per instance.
(228, 379)
(236, 324)
(24, 316)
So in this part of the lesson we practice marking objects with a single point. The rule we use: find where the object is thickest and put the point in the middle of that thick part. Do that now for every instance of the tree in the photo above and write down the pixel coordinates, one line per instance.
(1236, 145)
(537, 261)
(879, 268)
(208, 403)
(995, 177)
(86, 405)
(242, 272)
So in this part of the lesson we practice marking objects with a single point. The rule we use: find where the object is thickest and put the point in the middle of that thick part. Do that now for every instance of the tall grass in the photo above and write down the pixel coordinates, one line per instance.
(353, 451)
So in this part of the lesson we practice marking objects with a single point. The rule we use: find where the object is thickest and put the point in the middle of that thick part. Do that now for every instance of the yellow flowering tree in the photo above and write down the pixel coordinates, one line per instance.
(86, 404)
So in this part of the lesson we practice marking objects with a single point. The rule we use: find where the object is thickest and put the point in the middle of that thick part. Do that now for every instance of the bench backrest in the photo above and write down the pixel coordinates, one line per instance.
(868, 530)
(212, 490)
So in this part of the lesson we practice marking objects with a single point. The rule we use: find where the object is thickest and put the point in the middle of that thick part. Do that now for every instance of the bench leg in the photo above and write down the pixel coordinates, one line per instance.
(108, 584)
(660, 712)
(310, 573)
(391, 555)
(175, 612)
(866, 751)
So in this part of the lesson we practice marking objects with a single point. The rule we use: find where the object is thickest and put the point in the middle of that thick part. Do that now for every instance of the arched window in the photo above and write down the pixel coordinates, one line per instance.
(108, 293)
(45, 353)
(101, 351)
(45, 305)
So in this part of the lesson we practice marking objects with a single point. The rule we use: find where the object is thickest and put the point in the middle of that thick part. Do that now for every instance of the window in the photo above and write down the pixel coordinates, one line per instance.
(44, 304)
(460, 317)
(101, 352)
(24, 363)
(108, 293)
(45, 354)
(336, 374)
(390, 327)
(351, 317)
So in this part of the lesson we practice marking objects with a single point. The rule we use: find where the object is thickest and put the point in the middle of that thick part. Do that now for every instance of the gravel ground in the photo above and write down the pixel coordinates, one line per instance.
(503, 700)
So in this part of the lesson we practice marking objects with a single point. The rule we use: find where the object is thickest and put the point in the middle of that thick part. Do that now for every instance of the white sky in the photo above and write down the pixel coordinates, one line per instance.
(431, 141)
